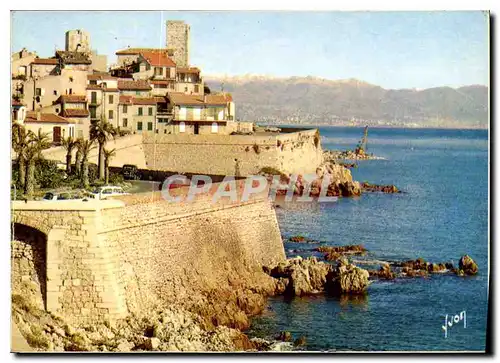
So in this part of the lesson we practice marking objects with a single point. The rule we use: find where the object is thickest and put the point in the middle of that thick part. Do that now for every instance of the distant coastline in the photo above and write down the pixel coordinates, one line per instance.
(430, 127)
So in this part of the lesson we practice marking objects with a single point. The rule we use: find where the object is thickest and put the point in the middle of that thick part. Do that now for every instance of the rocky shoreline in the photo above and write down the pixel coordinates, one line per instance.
(218, 321)
(337, 155)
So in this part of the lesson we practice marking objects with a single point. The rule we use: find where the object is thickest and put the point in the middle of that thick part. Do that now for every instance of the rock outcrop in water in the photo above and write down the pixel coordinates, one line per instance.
(467, 266)
(299, 277)
(333, 253)
(390, 189)
(348, 278)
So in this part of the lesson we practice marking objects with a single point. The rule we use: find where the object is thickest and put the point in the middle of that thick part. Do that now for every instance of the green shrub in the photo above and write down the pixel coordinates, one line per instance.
(116, 178)
(48, 175)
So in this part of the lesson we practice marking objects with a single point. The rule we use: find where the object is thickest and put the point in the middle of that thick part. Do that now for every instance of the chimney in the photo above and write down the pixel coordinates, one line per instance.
(38, 115)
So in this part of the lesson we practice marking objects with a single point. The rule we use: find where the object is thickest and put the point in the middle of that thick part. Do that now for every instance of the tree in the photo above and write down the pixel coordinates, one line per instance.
(85, 147)
(36, 143)
(102, 131)
(78, 157)
(108, 155)
(69, 145)
(20, 139)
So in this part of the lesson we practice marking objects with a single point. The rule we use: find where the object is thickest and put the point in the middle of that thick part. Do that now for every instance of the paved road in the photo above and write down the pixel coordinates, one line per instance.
(143, 186)
(18, 343)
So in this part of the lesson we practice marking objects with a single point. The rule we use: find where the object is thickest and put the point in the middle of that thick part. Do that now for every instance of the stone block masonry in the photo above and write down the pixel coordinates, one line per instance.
(106, 259)
(240, 155)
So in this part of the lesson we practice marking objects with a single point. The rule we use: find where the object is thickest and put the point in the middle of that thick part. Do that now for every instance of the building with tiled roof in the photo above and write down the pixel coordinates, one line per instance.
(72, 99)
(56, 126)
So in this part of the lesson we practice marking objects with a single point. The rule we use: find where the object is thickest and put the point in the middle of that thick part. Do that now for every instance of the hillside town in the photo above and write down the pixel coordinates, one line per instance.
(148, 90)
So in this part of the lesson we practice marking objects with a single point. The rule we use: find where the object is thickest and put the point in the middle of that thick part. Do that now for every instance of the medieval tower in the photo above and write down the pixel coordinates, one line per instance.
(77, 41)
(178, 40)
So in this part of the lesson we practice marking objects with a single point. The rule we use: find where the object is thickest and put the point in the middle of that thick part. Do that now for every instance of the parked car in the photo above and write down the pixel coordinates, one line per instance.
(130, 172)
(107, 191)
(66, 195)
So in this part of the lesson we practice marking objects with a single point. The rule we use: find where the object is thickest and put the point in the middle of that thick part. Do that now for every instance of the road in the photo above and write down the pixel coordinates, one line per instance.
(143, 186)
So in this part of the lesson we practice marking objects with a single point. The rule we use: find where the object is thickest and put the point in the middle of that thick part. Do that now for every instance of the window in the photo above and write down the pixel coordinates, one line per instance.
(137, 93)
(158, 71)
(150, 111)
(139, 111)
(71, 91)
(182, 127)
(168, 73)
(93, 81)
(139, 126)
(57, 110)
(110, 99)
(38, 92)
(150, 126)
(125, 122)
(93, 97)
(110, 114)
(125, 108)
(71, 79)
(185, 89)
(196, 88)
(93, 113)
(55, 92)
(215, 127)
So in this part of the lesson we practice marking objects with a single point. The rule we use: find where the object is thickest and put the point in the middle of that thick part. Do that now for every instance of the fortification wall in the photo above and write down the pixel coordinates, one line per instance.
(173, 256)
(129, 150)
(105, 259)
(239, 155)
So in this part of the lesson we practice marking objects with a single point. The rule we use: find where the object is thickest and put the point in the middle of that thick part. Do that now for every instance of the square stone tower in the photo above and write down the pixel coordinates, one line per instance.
(77, 40)
(178, 40)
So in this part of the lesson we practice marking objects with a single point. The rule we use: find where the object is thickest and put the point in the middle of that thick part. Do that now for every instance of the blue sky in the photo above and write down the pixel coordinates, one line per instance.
(390, 49)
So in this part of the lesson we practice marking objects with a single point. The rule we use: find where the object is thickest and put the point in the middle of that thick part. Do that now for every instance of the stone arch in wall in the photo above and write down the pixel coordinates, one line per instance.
(29, 262)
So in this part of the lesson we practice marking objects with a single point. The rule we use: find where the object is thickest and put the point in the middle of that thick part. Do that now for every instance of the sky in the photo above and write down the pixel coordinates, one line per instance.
(389, 49)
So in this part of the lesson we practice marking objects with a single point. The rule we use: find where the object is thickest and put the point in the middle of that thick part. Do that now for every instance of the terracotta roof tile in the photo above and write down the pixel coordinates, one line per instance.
(158, 59)
(99, 76)
(72, 99)
(46, 117)
(195, 100)
(134, 85)
(75, 112)
(48, 61)
(125, 100)
(144, 101)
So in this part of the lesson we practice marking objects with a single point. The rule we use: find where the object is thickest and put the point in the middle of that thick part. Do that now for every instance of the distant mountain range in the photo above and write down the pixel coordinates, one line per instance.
(311, 100)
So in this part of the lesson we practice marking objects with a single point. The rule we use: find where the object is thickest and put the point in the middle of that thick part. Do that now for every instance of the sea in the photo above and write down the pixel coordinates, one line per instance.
(441, 215)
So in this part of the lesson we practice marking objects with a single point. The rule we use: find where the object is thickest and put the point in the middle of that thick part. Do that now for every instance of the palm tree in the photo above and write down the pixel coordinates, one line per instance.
(85, 147)
(78, 157)
(102, 131)
(108, 155)
(69, 144)
(20, 141)
(37, 143)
